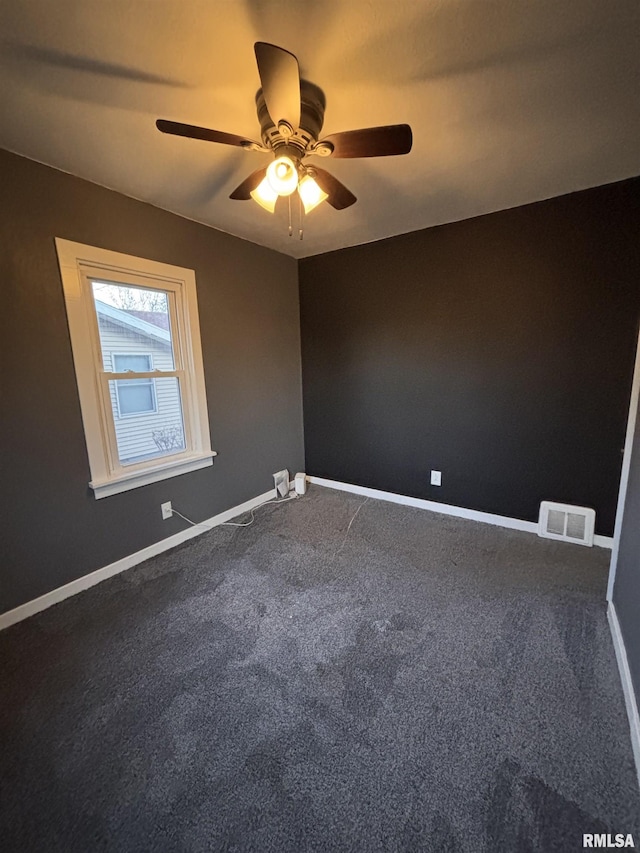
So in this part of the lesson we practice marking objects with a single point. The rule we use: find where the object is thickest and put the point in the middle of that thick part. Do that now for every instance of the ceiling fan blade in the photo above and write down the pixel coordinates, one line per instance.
(280, 78)
(339, 196)
(372, 141)
(243, 192)
(176, 128)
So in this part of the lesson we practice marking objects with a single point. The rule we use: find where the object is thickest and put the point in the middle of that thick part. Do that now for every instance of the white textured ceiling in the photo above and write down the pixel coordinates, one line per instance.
(510, 101)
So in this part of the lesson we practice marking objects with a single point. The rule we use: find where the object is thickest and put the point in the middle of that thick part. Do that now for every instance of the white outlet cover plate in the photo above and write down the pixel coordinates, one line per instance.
(436, 478)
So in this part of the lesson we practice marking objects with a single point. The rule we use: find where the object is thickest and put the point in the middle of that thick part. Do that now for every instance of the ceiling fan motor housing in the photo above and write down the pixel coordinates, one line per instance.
(312, 107)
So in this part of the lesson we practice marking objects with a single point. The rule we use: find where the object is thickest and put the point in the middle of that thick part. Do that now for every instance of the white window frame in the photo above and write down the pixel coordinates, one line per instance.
(79, 266)
(152, 383)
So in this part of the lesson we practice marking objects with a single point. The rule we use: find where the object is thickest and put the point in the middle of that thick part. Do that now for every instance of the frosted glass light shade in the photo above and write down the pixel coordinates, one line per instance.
(282, 176)
(310, 193)
(265, 195)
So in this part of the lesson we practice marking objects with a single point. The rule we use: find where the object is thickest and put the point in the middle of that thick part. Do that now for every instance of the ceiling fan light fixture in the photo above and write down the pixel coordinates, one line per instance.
(265, 195)
(310, 193)
(282, 176)
(291, 115)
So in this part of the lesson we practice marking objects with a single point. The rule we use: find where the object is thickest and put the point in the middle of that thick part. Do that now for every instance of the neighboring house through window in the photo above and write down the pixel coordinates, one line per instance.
(136, 344)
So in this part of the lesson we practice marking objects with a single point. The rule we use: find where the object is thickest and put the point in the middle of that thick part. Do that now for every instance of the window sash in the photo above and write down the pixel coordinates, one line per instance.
(114, 464)
(175, 301)
(156, 373)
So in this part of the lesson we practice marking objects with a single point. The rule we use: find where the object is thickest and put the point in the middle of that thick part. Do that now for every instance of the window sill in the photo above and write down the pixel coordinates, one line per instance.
(125, 482)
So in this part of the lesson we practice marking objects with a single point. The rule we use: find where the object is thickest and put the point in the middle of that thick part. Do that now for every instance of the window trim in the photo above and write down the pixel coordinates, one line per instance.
(150, 382)
(78, 264)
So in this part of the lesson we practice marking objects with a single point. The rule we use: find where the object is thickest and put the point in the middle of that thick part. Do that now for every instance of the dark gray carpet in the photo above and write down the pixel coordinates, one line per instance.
(427, 684)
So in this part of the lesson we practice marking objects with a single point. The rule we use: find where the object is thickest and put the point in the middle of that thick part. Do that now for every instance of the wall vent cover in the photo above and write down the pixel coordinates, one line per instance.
(568, 523)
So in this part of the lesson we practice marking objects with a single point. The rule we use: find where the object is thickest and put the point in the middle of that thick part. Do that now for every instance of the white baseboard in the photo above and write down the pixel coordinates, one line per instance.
(444, 509)
(76, 586)
(627, 684)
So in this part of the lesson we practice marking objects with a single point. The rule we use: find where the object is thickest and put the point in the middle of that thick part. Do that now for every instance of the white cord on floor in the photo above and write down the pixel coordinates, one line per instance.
(247, 523)
(353, 518)
(232, 523)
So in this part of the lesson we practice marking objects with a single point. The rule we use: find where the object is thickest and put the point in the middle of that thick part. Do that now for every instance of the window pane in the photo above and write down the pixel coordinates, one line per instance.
(146, 435)
(133, 319)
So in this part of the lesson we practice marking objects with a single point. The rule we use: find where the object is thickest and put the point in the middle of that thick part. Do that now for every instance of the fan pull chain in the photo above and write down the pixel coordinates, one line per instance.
(290, 225)
(300, 214)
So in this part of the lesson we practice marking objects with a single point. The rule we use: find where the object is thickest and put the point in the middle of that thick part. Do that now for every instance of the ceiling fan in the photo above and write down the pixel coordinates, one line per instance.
(291, 113)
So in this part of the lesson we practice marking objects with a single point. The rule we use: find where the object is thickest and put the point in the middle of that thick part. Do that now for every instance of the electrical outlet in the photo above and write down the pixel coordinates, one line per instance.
(436, 478)
(166, 510)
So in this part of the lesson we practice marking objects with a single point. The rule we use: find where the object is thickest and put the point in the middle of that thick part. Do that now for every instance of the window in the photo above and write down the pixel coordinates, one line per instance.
(135, 396)
(136, 347)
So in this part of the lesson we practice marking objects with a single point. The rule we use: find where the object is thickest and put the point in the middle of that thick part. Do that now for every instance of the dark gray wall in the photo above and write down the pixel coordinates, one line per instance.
(626, 589)
(498, 350)
(53, 530)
